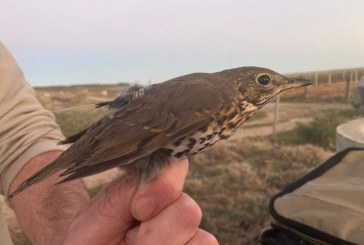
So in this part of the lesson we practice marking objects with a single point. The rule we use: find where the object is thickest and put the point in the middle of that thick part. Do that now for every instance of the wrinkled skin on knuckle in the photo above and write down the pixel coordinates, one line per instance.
(108, 200)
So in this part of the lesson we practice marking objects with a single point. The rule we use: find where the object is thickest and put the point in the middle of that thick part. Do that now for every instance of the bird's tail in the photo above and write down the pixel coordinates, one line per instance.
(37, 177)
(101, 104)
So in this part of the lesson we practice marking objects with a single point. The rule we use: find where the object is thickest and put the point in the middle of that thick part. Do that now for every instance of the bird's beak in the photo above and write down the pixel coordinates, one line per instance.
(297, 82)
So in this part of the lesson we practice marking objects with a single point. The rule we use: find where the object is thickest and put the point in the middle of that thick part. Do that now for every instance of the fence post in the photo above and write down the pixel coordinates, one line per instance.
(329, 78)
(347, 89)
(316, 78)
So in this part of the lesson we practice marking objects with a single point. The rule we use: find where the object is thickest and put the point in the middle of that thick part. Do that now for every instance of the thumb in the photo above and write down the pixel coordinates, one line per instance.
(108, 216)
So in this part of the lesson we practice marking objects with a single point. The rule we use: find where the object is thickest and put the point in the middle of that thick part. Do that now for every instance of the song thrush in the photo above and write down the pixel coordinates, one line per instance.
(172, 120)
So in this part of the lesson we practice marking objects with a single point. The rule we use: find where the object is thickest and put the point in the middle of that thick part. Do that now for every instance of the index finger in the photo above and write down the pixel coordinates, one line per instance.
(153, 197)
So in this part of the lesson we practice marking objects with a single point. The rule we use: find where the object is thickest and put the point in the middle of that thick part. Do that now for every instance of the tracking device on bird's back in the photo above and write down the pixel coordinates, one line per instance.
(326, 206)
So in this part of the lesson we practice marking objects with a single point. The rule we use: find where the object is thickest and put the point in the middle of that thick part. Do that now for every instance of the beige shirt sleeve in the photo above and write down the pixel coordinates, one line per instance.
(26, 128)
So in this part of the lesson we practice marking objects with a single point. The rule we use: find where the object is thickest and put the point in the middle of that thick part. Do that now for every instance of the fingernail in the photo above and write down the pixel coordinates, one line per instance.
(145, 206)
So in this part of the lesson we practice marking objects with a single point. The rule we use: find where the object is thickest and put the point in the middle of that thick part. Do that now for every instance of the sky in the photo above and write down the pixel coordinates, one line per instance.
(77, 42)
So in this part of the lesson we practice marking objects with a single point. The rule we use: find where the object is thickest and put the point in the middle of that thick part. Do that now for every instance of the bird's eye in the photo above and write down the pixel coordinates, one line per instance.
(263, 79)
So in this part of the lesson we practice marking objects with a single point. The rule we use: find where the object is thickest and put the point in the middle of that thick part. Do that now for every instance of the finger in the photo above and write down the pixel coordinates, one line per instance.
(176, 224)
(152, 197)
(202, 237)
(108, 214)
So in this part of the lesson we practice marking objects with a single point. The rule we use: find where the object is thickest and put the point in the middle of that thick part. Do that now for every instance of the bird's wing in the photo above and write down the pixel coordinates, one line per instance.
(148, 124)
(169, 111)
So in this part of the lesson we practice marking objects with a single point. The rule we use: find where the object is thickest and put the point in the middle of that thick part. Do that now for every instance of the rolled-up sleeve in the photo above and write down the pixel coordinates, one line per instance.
(26, 128)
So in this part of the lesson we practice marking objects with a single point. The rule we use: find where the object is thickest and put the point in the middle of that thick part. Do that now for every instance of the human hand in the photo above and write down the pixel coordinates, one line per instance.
(155, 213)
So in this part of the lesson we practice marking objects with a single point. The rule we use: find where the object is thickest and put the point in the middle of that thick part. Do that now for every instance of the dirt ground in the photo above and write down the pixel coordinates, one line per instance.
(289, 115)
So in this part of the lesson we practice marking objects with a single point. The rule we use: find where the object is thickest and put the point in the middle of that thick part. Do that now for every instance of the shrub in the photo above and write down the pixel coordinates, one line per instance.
(321, 131)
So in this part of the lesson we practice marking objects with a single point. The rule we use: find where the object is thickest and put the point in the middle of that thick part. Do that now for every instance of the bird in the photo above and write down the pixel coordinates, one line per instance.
(167, 122)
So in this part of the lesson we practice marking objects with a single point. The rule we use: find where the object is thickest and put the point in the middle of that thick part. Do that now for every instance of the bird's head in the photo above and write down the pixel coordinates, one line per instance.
(260, 85)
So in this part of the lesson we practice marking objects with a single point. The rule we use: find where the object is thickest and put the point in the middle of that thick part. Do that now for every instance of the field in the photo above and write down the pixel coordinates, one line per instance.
(234, 181)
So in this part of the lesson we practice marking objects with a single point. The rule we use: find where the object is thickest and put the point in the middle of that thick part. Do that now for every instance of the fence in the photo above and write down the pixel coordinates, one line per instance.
(332, 76)
(327, 84)
(346, 77)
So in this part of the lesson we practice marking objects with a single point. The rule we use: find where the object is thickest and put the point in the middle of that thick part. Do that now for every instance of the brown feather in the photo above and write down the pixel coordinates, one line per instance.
(135, 135)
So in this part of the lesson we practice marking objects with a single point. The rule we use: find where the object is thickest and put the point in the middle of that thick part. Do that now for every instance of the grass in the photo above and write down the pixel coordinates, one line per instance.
(233, 191)
(233, 182)
(20, 239)
(302, 99)
(93, 191)
(320, 132)
(74, 121)
(258, 115)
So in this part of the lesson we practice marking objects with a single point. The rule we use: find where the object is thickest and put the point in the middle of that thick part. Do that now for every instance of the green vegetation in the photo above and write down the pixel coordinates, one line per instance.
(111, 88)
(321, 131)
(93, 191)
(74, 121)
(301, 99)
(258, 115)
(20, 239)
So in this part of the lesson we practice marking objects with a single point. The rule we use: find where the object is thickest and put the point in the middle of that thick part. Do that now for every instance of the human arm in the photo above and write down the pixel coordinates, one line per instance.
(52, 214)
(46, 210)
(123, 213)
(28, 136)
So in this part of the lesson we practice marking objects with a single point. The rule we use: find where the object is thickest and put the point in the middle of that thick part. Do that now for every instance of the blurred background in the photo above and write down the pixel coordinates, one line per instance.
(76, 53)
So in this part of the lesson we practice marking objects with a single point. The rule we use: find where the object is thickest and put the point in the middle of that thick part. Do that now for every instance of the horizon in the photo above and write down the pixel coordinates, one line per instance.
(128, 83)
(91, 42)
